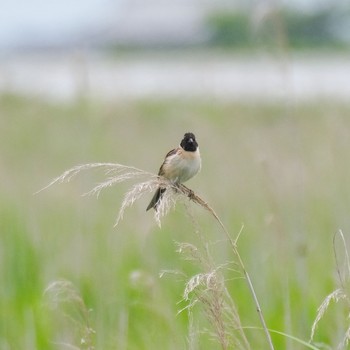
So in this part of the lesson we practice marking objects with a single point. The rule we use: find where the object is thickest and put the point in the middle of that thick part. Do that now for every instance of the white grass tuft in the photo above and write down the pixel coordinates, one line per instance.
(336, 295)
(135, 193)
(346, 340)
(208, 291)
(117, 173)
(208, 280)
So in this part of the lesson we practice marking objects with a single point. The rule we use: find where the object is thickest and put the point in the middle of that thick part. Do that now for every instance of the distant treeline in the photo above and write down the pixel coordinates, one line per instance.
(296, 29)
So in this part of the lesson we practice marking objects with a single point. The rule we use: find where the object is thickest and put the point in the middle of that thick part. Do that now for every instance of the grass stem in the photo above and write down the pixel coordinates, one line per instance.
(233, 244)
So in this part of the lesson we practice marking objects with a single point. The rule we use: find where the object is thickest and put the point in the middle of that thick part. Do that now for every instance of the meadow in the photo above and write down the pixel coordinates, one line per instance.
(69, 279)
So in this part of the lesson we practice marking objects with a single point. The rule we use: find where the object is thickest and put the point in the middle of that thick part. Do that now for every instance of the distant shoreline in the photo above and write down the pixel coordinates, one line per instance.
(219, 75)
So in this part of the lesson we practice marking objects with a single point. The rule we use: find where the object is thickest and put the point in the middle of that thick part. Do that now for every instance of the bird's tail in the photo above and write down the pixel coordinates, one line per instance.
(156, 199)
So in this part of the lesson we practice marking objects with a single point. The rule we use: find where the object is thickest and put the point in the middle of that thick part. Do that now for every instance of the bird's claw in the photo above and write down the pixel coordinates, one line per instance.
(191, 194)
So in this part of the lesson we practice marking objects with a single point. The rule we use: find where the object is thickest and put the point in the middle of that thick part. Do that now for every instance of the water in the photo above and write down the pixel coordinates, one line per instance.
(64, 77)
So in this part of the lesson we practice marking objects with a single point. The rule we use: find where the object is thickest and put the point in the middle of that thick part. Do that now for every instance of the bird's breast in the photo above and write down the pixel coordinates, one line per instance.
(181, 166)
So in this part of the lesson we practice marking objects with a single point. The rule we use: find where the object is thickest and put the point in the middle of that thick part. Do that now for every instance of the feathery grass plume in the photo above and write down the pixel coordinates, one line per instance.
(346, 339)
(117, 173)
(167, 202)
(339, 294)
(63, 297)
(208, 290)
(335, 296)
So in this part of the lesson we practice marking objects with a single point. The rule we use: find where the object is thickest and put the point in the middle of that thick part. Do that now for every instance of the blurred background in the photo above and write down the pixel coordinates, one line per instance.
(265, 87)
(222, 49)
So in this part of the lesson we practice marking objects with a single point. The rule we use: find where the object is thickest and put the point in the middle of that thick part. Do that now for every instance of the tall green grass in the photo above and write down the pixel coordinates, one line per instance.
(284, 174)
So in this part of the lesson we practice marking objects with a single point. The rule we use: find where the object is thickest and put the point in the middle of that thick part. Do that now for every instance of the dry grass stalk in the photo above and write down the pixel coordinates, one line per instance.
(233, 244)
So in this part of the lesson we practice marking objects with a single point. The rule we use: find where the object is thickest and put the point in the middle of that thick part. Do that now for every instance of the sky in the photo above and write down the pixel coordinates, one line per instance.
(22, 20)
(28, 22)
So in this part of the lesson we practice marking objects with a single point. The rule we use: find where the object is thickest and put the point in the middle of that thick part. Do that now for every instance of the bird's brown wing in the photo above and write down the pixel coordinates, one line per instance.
(170, 153)
(159, 193)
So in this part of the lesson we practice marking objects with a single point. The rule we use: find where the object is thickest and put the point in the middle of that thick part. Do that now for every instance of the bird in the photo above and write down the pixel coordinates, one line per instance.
(180, 164)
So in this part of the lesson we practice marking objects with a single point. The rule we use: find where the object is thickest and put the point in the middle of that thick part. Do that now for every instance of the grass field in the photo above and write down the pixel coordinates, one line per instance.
(281, 171)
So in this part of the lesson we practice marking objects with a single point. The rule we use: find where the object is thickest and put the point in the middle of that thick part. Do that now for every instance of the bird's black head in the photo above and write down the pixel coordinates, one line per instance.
(189, 142)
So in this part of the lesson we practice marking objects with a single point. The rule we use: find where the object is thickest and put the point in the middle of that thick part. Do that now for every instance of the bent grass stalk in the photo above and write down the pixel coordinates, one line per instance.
(339, 294)
(117, 173)
(233, 244)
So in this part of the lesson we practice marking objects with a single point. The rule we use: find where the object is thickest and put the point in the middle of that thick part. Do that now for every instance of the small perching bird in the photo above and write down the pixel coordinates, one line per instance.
(179, 165)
